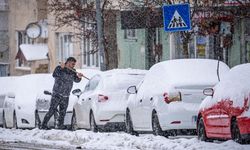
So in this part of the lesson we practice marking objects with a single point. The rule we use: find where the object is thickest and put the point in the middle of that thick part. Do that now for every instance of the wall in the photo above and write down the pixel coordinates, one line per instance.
(21, 13)
(131, 53)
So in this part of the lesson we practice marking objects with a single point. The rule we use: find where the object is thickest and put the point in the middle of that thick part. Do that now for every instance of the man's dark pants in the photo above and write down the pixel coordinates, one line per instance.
(62, 102)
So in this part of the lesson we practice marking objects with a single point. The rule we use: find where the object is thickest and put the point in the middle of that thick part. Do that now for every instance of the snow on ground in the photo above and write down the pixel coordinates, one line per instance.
(112, 140)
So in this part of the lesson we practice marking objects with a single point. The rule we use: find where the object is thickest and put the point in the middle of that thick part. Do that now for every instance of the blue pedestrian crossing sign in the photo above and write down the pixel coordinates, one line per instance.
(176, 17)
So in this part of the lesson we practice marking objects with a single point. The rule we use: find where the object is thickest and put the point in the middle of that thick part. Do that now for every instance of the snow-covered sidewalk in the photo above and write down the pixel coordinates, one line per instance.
(112, 141)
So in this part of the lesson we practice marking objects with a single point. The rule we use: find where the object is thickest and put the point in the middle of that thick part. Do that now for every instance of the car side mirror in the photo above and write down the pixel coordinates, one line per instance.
(47, 92)
(132, 90)
(208, 91)
(77, 92)
(11, 95)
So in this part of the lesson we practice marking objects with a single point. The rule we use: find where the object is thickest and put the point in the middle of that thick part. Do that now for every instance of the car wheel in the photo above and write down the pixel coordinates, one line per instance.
(129, 125)
(74, 126)
(15, 121)
(202, 131)
(4, 122)
(37, 120)
(235, 132)
(93, 126)
(156, 126)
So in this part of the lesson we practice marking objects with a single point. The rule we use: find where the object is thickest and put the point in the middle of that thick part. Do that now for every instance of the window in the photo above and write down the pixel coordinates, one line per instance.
(87, 87)
(22, 38)
(130, 34)
(65, 46)
(90, 57)
(94, 82)
(1, 55)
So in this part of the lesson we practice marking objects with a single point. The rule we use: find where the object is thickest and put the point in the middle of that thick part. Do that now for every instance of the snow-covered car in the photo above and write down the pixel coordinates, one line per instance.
(7, 96)
(102, 103)
(6, 100)
(42, 107)
(19, 112)
(168, 98)
(44, 97)
(2, 98)
(225, 114)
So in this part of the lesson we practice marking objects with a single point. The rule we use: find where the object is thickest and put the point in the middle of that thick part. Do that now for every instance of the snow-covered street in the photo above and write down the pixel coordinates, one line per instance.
(82, 139)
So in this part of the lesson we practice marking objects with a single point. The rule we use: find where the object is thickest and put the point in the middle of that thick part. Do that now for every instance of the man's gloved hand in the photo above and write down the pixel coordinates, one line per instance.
(62, 65)
(80, 75)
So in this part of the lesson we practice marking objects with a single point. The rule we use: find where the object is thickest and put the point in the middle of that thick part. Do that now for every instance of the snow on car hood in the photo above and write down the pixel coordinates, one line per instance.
(27, 88)
(234, 86)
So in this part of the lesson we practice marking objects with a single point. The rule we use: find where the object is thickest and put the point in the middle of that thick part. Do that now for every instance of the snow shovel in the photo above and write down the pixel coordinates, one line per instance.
(77, 72)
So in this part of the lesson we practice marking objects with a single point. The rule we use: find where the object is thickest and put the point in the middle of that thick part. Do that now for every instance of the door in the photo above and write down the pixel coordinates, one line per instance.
(136, 107)
(9, 107)
(212, 120)
(3, 70)
(146, 111)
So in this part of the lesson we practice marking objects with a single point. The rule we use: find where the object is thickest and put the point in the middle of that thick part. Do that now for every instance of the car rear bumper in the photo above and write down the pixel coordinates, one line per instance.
(244, 125)
(180, 117)
(104, 117)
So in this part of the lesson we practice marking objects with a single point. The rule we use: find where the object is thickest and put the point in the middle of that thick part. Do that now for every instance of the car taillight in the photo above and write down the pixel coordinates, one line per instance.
(102, 98)
(246, 104)
(172, 97)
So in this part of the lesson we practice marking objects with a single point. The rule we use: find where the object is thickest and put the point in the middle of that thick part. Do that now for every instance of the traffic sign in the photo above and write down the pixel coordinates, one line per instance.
(176, 17)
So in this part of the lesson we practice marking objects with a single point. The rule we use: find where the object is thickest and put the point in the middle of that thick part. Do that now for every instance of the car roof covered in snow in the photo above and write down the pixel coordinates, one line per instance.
(189, 71)
(124, 71)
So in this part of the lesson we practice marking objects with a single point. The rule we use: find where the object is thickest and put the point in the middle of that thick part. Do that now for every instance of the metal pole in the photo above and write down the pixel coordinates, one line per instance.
(100, 35)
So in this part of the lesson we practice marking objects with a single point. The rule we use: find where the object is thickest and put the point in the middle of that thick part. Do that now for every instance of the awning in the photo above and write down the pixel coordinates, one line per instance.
(32, 52)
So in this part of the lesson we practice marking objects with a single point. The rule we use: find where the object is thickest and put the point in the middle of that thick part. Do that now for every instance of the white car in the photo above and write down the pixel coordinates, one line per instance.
(168, 99)
(19, 110)
(6, 100)
(102, 103)
(44, 97)
(7, 96)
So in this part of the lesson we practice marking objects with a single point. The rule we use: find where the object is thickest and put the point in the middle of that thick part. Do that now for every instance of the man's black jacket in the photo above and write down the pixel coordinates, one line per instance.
(64, 79)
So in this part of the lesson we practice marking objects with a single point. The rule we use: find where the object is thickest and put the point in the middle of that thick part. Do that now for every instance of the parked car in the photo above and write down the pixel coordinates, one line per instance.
(44, 97)
(225, 114)
(42, 107)
(168, 98)
(19, 111)
(2, 98)
(6, 96)
(6, 100)
(102, 103)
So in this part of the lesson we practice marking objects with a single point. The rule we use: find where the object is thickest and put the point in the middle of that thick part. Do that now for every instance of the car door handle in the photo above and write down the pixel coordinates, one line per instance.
(89, 98)
(140, 100)
(82, 99)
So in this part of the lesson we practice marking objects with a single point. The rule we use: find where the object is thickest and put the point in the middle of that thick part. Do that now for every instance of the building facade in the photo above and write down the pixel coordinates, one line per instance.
(4, 40)
(21, 14)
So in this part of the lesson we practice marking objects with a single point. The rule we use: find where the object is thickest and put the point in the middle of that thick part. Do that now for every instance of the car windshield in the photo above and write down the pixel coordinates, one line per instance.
(122, 81)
